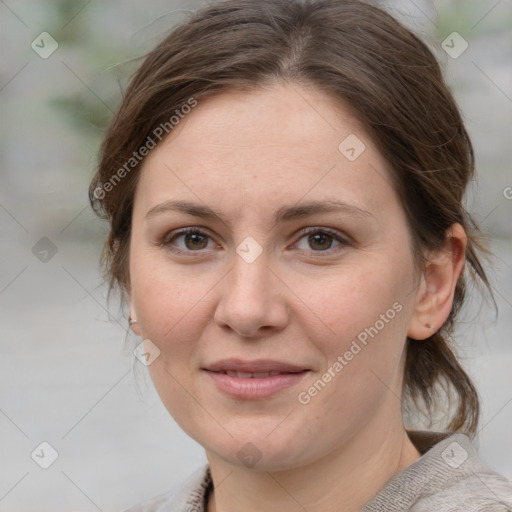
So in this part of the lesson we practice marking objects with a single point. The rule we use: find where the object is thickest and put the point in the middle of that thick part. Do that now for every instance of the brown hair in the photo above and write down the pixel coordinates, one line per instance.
(365, 58)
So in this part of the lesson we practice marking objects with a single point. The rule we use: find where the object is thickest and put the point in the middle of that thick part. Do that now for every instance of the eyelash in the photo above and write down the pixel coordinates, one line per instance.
(343, 241)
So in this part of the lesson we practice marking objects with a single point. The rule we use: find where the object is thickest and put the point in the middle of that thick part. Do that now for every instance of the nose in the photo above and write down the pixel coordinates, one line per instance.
(252, 299)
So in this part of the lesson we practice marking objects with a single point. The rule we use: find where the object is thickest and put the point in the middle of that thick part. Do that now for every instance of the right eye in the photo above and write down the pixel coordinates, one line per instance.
(187, 240)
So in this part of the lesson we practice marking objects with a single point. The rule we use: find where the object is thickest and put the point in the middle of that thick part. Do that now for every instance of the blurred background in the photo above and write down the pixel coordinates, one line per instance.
(67, 373)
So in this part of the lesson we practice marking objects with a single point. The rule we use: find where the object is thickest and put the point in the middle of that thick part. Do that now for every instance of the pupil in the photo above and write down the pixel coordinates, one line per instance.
(320, 238)
(195, 238)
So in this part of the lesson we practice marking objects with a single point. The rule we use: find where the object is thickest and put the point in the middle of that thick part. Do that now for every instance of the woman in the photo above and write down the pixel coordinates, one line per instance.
(284, 185)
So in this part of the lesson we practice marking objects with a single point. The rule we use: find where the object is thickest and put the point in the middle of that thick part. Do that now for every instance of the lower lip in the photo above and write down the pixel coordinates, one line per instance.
(254, 388)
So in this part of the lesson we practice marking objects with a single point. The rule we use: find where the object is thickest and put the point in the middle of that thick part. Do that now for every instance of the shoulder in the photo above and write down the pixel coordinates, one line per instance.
(481, 492)
(449, 476)
(189, 496)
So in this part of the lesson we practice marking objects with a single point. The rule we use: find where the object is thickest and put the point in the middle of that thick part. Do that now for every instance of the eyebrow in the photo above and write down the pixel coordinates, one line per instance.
(285, 213)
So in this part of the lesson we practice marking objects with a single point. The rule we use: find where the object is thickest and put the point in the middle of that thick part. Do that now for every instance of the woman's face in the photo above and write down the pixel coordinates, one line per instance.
(298, 262)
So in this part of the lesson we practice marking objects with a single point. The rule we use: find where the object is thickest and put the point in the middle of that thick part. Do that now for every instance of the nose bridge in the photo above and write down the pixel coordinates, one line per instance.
(249, 299)
(250, 264)
(249, 276)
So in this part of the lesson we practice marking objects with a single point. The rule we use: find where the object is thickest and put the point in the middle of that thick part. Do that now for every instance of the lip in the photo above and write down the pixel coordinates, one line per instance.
(253, 388)
(258, 366)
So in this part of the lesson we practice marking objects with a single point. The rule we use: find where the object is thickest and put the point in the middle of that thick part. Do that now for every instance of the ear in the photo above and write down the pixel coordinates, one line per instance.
(133, 317)
(434, 296)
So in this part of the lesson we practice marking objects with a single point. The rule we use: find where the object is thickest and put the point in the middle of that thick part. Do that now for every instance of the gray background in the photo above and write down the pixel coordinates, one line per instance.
(66, 369)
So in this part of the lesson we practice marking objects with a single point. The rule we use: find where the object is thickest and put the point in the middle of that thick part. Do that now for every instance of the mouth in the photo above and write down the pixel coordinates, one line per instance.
(254, 375)
(255, 369)
(247, 380)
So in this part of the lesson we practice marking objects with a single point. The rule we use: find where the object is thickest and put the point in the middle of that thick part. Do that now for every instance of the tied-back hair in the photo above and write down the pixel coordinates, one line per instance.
(367, 60)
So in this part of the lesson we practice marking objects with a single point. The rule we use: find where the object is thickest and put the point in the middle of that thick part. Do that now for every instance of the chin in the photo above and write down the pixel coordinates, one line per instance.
(260, 451)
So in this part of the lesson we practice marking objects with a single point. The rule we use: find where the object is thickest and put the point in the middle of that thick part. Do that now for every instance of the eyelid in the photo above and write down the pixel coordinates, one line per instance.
(328, 231)
(183, 231)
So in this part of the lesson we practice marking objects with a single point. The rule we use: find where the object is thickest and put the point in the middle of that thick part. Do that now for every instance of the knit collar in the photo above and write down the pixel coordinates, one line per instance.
(444, 457)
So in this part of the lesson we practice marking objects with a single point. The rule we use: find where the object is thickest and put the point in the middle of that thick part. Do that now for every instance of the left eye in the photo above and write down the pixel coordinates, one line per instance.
(320, 240)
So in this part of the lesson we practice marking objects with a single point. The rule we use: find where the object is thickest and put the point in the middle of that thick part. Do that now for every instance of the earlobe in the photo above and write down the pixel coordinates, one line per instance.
(437, 287)
(132, 321)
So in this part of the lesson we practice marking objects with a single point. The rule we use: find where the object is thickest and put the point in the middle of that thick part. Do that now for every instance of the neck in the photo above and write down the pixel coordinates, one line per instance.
(344, 480)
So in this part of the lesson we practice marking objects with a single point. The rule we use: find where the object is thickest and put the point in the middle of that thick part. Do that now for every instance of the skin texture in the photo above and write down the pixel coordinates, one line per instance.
(303, 300)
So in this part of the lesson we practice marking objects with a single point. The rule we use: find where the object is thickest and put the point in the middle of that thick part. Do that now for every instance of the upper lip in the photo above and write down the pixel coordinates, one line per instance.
(258, 366)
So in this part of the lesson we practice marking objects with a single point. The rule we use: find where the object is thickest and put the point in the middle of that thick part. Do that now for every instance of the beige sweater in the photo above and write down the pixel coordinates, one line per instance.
(448, 477)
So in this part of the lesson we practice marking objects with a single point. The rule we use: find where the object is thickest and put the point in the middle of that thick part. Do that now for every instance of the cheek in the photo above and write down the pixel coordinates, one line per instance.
(367, 313)
(358, 304)
(166, 297)
(171, 307)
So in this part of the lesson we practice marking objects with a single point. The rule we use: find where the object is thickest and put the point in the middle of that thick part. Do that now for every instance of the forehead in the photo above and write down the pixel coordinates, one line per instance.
(288, 139)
